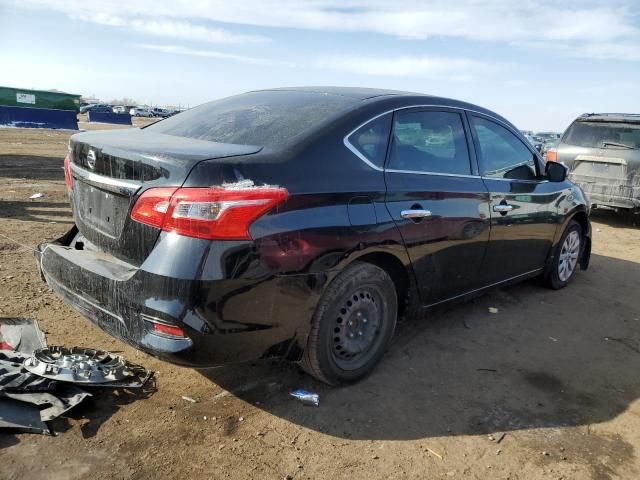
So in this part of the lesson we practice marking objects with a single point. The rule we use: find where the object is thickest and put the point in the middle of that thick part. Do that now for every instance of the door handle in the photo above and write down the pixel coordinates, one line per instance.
(502, 208)
(415, 213)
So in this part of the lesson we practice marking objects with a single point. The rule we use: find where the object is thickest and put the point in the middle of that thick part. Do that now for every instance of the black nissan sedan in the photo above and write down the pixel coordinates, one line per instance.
(303, 222)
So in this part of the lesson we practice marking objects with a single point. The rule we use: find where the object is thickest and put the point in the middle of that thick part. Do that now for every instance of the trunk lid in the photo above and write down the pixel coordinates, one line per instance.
(110, 169)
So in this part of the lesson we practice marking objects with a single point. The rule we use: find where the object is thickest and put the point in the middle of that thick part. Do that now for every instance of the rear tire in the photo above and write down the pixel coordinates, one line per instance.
(352, 325)
(566, 259)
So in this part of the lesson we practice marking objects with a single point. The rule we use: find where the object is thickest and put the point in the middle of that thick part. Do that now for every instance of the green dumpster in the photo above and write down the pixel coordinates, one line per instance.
(22, 97)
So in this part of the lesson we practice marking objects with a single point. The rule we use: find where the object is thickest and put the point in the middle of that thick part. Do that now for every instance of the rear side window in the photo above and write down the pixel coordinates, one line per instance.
(267, 118)
(371, 140)
(502, 154)
(429, 141)
(602, 134)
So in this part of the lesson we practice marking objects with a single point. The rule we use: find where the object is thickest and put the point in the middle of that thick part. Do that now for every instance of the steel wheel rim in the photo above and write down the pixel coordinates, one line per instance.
(357, 329)
(569, 254)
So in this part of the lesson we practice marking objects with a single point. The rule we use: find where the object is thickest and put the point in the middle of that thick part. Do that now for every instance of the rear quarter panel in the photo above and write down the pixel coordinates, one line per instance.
(334, 215)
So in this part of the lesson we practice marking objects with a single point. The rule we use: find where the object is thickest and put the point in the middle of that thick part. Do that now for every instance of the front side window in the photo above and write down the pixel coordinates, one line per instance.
(371, 140)
(429, 141)
(502, 154)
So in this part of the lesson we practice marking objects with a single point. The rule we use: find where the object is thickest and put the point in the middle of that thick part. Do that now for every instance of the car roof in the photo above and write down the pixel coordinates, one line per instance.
(356, 93)
(391, 98)
(609, 117)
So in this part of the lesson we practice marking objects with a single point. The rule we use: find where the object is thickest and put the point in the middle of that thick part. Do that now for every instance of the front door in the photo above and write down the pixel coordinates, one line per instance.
(524, 206)
(438, 201)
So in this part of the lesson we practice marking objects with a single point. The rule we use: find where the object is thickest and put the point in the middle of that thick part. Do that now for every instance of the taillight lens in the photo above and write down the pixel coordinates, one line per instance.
(551, 155)
(211, 213)
(152, 206)
(67, 172)
(165, 329)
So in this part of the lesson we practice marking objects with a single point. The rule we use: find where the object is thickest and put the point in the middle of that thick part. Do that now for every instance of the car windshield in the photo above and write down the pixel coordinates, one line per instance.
(603, 134)
(265, 118)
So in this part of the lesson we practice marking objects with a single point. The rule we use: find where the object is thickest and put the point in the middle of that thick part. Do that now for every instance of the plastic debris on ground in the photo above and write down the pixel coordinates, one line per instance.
(433, 452)
(493, 310)
(38, 384)
(36, 195)
(498, 437)
(21, 335)
(306, 397)
(21, 417)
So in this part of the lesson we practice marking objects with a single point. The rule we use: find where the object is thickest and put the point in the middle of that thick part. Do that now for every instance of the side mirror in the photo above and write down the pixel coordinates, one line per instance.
(555, 172)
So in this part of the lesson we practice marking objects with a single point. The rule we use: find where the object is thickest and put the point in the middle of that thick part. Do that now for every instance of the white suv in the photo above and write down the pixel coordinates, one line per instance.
(141, 112)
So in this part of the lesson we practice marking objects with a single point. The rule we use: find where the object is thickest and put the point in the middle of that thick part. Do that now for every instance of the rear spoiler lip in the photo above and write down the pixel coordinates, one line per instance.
(141, 142)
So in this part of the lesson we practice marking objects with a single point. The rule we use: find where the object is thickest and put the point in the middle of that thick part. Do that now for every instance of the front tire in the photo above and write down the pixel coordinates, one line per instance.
(352, 325)
(567, 257)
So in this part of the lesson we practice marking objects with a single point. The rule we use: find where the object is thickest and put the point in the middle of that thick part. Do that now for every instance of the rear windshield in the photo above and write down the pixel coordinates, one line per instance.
(266, 118)
(602, 134)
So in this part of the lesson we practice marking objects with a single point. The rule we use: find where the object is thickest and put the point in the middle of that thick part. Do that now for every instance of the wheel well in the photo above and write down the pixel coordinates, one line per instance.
(582, 219)
(396, 271)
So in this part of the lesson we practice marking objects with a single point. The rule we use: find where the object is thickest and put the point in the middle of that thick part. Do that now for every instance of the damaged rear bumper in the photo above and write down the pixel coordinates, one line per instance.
(216, 315)
(617, 196)
(76, 277)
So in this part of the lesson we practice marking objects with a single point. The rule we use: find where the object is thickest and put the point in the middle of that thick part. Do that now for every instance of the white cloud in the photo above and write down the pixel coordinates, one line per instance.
(188, 31)
(473, 19)
(580, 24)
(457, 69)
(165, 27)
(181, 50)
(597, 50)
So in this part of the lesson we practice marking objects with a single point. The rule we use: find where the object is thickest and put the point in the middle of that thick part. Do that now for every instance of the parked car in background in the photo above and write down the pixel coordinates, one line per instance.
(96, 107)
(302, 222)
(119, 109)
(549, 137)
(536, 142)
(141, 111)
(160, 112)
(602, 151)
(547, 140)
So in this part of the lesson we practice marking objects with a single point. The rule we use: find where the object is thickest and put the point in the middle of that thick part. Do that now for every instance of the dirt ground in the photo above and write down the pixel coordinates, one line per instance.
(556, 371)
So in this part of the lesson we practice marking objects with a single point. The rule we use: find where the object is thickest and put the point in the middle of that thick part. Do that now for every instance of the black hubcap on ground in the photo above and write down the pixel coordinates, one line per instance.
(356, 329)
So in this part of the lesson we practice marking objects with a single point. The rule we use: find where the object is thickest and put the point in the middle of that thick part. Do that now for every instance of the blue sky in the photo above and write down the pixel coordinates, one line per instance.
(540, 63)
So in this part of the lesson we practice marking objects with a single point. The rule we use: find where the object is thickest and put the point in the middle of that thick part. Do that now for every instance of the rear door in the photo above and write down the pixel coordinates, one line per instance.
(437, 200)
(524, 206)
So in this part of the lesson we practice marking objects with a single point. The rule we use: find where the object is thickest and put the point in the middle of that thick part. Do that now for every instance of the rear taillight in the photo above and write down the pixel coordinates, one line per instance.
(152, 206)
(222, 213)
(551, 155)
(67, 172)
(165, 329)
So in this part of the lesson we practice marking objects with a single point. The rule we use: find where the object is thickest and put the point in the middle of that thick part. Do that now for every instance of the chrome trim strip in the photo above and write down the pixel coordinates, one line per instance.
(485, 287)
(355, 151)
(393, 170)
(124, 187)
(500, 179)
